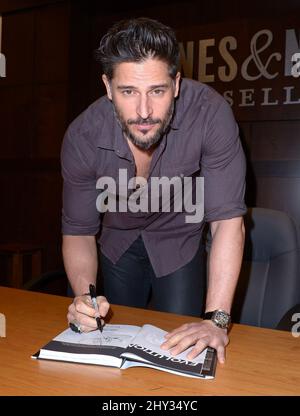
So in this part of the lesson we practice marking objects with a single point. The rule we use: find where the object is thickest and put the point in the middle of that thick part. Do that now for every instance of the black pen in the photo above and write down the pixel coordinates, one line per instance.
(93, 296)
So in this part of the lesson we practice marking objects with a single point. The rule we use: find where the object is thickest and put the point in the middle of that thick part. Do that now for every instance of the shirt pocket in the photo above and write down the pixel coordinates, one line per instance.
(182, 170)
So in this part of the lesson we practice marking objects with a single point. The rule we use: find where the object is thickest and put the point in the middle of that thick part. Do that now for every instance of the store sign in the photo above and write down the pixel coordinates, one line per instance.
(257, 71)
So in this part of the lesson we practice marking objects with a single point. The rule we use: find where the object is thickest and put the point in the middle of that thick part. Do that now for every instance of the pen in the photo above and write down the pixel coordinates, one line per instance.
(95, 304)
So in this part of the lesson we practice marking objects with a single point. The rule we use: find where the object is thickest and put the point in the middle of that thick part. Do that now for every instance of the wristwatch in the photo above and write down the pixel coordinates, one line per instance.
(219, 317)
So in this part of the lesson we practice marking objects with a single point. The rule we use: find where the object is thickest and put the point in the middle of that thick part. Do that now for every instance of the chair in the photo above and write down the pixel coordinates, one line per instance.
(269, 283)
(52, 282)
(15, 254)
(289, 322)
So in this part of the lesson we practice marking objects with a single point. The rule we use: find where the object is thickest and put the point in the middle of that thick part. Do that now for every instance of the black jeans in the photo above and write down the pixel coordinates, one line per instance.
(131, 281)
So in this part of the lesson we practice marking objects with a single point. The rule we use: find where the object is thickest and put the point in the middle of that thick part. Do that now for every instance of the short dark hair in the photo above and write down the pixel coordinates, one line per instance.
(135, 40)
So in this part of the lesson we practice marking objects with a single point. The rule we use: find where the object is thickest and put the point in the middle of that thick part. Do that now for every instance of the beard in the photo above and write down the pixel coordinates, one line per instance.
(145, 144)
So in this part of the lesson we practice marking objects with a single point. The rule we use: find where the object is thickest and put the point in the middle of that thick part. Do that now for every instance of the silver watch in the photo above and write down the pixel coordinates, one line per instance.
(219, 317)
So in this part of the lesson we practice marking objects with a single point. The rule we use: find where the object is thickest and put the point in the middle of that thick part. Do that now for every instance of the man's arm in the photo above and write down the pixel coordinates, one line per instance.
(224, 267)
(224, 262)
(81, 263)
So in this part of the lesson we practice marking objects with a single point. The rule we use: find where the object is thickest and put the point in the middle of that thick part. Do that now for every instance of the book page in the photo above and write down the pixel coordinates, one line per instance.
(112, 336)
(91, 348)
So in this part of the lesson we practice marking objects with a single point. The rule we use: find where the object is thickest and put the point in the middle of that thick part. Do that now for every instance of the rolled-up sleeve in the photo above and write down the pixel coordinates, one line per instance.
(223, 166)
(79, 212)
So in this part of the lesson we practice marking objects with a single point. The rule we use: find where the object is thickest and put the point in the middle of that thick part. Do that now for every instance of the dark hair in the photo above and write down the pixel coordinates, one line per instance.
(135, 40)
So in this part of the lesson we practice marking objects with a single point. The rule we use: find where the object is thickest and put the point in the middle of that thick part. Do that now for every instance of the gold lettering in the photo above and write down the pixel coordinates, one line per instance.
(187, 58)
(232, 65)
(204, 60)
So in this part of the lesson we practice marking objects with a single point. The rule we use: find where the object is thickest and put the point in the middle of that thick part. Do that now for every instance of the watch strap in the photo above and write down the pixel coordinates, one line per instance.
(208, 315)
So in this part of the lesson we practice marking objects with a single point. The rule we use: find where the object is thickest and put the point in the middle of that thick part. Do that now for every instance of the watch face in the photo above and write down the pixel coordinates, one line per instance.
(221, 319)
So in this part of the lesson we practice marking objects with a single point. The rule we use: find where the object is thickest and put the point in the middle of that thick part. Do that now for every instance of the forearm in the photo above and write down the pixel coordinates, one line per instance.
(224, 263)
(80, 261)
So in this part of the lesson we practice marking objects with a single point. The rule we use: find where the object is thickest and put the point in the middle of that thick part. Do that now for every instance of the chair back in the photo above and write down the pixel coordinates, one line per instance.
(269, 283)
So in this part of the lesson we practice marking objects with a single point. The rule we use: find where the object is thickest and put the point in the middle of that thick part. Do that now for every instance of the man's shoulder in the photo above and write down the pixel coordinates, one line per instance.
(198, 101)
(193, 91)
(92, 120)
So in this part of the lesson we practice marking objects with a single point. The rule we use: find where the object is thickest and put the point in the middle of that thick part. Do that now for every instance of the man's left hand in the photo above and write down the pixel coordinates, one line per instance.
(200, 335)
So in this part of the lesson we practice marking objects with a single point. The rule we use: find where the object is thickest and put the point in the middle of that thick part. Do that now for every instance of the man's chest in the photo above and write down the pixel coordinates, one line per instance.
(142, 164)
(180, 156)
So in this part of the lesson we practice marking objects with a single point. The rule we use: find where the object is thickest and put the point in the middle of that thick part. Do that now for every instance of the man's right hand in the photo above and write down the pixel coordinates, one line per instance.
(82, 313)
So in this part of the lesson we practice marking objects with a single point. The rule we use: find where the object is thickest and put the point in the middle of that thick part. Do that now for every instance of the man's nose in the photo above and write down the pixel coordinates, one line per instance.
(144, 108)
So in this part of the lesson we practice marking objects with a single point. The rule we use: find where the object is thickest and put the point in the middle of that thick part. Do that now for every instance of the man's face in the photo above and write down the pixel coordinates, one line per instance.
(143, 95)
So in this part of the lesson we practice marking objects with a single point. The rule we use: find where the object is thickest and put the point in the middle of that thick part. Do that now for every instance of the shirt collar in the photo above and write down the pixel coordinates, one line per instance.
(175, 122)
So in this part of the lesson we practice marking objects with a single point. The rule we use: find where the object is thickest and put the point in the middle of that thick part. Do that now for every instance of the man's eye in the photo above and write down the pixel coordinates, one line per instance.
(127, 92)
(157, 92)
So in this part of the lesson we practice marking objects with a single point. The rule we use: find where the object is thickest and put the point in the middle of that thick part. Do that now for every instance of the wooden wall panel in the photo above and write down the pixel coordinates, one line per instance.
(33, 118)
(16, 121)
(38, 201)
(52, 44)
(273, 168)
(11, 185)
(50, 113)
(81, 56)
(31, 211)
(18, 47)
(41, 214)
(277, 140)
(17, 5)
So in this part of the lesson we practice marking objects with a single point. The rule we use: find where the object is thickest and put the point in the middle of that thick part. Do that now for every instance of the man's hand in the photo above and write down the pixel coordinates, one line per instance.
(201, 335)
(82, 312)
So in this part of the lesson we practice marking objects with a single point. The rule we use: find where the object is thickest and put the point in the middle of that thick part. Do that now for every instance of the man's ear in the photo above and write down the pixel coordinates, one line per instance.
(107, 86)
(177, 84)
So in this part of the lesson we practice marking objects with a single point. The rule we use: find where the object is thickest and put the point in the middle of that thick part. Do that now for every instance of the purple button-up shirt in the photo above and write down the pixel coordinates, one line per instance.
(203, 140)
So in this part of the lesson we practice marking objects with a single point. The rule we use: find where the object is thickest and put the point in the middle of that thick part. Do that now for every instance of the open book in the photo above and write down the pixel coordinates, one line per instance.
(125, 346)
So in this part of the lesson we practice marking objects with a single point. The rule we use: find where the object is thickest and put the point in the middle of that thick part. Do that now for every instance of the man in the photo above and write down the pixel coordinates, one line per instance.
(151, 124)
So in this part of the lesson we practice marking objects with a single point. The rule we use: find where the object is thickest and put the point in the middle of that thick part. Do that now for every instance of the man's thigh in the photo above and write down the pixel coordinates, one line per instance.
(183, 291)
(127, 282)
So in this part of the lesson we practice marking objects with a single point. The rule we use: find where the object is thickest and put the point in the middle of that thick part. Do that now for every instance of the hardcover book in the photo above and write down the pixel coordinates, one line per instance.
(126, 346)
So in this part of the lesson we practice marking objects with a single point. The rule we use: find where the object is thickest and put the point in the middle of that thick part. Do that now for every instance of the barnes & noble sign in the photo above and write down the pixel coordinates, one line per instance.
(256, 68)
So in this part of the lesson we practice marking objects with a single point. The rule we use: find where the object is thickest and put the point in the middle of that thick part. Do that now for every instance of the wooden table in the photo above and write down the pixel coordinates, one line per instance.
(259, 361)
